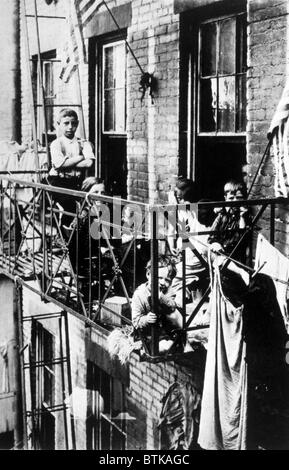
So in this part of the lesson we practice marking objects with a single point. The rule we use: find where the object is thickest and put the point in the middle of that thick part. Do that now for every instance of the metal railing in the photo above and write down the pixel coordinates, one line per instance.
(82, 264)
(92, 265)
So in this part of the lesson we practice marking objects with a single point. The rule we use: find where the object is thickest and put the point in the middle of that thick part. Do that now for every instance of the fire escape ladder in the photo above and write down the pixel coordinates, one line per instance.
(44, 98)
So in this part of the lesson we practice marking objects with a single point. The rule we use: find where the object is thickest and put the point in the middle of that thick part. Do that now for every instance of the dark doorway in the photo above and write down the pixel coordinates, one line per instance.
(217, 164)
(108, 110)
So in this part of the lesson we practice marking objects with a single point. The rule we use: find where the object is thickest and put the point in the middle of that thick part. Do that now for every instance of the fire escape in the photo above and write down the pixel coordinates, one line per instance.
(92, 267)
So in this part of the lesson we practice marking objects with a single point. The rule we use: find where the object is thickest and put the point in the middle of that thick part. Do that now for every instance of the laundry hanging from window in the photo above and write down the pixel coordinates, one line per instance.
(278, 132)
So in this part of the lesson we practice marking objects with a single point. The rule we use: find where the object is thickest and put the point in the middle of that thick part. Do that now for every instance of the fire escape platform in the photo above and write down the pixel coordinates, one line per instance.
(29, 268)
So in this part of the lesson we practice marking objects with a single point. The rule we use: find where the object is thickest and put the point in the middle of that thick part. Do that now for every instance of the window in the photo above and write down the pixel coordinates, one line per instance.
(50, 71)
(114, 88)
(222, 75)
(43, 354)
(104, 430)
(107, 79)
(213, 96)
(48, 368)
(43, 386)
(48, 83)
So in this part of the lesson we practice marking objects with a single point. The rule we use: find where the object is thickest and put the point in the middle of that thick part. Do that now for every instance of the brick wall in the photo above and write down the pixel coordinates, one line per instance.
(145, 383)
(148, 385)
(153, 128)
(152, 147)
(267, 73)
(9, 73)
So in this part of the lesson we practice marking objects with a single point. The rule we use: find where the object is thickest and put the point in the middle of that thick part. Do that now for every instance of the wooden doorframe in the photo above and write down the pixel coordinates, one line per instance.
(95, 49)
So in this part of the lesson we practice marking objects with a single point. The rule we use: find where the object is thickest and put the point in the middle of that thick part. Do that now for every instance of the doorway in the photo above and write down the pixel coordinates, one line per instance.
(109, 109)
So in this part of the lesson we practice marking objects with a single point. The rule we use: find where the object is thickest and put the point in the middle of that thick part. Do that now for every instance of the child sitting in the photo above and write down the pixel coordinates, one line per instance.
(169, 318)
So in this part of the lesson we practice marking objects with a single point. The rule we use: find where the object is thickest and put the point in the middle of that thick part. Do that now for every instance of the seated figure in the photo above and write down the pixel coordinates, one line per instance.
(89, 256)
(169, 318)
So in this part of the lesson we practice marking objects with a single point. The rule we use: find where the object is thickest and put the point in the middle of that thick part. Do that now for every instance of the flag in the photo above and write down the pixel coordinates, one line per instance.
(278, 132)
(78, 15)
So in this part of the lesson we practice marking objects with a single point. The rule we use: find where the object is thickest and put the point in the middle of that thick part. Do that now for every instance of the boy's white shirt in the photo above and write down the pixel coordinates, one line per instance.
(63, 148)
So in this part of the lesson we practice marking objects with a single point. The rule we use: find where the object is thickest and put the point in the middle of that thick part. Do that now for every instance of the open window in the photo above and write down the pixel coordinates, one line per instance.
(213, 98)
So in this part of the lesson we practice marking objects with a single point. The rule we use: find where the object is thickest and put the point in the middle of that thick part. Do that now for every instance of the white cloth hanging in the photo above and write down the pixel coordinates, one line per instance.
(276, 265)
(223, 421)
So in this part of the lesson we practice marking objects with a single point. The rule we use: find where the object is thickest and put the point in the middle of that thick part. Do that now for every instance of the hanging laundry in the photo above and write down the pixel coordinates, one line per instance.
(16, 157)
(265, 336)
(276, 265)
(223, 421)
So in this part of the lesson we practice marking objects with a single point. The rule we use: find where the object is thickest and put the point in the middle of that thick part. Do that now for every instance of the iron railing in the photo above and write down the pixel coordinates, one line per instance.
(92, 266)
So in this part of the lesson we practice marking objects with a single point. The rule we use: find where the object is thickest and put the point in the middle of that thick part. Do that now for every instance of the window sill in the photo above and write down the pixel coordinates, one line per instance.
(215, 135)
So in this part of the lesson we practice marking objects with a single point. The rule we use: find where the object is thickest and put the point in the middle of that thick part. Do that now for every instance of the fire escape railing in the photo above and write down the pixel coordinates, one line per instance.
(81, 265)
(92, 265)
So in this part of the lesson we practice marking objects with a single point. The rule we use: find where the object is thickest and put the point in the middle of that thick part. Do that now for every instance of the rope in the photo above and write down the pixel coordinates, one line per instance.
(127, 44)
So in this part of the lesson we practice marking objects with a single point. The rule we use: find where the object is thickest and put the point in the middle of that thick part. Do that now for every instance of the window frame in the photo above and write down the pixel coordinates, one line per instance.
(94, 427)
(199, 78)
(42, 335)
(43, 353)
(104, 46)
(47, 57)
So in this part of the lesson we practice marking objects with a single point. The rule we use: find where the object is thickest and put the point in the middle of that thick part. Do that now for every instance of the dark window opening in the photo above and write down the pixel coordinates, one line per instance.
(104, 430)
(43, 386)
